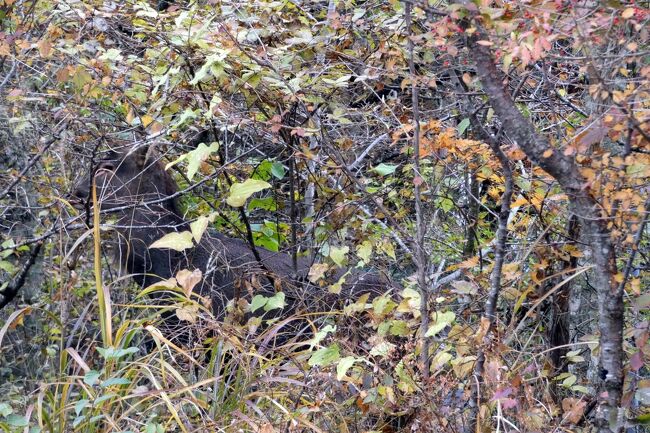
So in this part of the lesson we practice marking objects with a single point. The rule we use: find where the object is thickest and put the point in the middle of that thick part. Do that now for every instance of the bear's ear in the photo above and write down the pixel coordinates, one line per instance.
(140, 155)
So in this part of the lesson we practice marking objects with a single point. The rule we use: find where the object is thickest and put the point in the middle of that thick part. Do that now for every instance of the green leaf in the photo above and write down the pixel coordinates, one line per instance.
(382, 349)
(339, 255)
(320, 335)
(197, 156)
(382, 305)
(80, 405)
(343, 366)
(462, 126)
(406, 383)
(114, 353)
(5, 410)
(275, 302)
(174, 241)
(446, 204)
(385, 169)
(214, 64)
(15, 420)
(263, 170)
(103, 398)
(258, 302)
(78, 420)
(339, 82)
(7, 248)
(115, 381)
(643, 418)
(388, 248)
(268, 242)
(440, 320)
(186, 116)
(399, 328)
(569, 381)
(325, 356)
(277, 170)
(81, 78)
(111, 54)
(338, 286)
(266, 203)
(239, 192)
(154, 428)
(580, 389)
(8, 267)
(91, 377)
(364, 250)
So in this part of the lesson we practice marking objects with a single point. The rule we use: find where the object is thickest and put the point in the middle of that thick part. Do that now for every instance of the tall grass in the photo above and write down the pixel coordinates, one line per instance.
(103, 294)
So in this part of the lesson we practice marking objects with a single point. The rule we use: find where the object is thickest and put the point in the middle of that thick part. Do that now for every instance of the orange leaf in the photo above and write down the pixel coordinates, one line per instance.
(521, 201)
(469, 263)
(573, 409)
(628, 13)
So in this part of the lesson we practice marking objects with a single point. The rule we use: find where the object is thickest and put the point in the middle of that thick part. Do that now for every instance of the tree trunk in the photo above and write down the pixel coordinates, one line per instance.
(567, 173)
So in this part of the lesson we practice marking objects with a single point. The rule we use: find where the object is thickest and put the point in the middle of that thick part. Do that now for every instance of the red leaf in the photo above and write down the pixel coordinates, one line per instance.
(636, 361)
(300, 132)
(501, 393)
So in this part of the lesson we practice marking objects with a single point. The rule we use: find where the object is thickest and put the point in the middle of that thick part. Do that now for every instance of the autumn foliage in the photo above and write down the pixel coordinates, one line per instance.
(516, 133)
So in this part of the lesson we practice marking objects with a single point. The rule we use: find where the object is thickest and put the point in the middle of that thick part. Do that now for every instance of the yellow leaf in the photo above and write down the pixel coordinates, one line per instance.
(130, 116)
(239, 192)
(628, 13)
(188, 313)
(199, 227)
(521, 201)
(482, 329)
(339, 255)
(463, 365)
(440, 321)
(146, 120)
(618, 96)
(174, 241)
(388, 248)
(317, 271)
(547, 153)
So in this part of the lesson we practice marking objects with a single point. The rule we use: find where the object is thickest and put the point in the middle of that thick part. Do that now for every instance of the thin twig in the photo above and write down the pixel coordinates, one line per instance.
(418, 244)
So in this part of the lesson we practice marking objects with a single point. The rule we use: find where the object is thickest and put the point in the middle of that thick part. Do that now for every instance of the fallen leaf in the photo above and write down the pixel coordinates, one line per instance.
(573, 409)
